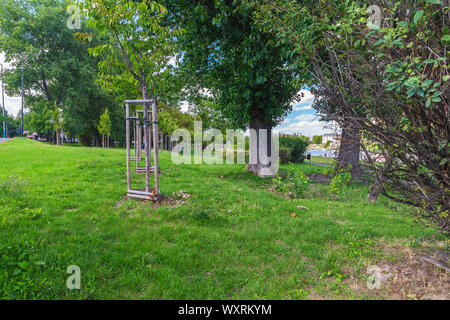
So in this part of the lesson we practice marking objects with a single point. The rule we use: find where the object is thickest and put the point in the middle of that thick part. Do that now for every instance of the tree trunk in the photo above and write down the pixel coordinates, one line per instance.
(349, 150)
(58, 138)
(95, 139)
(260, 161)
(374, 191)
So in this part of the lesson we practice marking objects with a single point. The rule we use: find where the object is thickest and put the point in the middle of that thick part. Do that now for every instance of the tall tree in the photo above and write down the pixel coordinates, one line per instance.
(104, 127)
(302, 25)
(242, 67)
(58, 70)
(136, 60)
(390, 83)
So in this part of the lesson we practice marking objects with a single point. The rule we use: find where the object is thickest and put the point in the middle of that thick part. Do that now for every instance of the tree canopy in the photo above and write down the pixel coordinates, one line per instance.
(59, 74)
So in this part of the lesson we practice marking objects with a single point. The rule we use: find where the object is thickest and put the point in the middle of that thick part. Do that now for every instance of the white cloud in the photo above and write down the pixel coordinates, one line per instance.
(305, 102)
(306, 117)
(184, 105)
(12, 104)
(307, 124)
(302, 108)
(307, 128)
(307, 98)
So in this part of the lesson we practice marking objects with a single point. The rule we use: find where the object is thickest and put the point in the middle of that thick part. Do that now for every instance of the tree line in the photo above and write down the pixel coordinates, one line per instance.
(380, 74)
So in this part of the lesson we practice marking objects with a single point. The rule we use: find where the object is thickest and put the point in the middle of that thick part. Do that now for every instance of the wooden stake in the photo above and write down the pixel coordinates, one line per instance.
(127, 122)
(147, 150)
(155, 141)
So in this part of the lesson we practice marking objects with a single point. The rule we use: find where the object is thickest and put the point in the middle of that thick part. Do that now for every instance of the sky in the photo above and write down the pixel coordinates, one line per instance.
(301, 120)
(12, 104)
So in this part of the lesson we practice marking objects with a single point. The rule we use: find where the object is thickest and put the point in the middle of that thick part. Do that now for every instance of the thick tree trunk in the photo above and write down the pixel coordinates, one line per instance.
(260, 161)
(349, 150)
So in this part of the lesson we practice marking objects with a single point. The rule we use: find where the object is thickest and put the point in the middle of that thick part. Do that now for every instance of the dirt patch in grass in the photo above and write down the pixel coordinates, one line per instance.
(319, 178)
(406, 275)
(170, 202)
(176, 200)
(412, 277)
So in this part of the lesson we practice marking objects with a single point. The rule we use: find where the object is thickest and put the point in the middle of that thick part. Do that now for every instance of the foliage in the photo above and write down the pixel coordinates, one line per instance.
(209, 113)
(21, 273)
(340, 180)
(170, 119)
(296, 144)
(104, 126)
(136, 59)
(243, 68)
(59, 74)
(237, 62)
(317, 140)
(285, 155)
(292, 181)
(390, 84)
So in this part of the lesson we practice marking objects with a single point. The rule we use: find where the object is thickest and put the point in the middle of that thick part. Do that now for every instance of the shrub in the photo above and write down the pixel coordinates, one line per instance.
(280, 183)
(296, 144)
(285, 155)
(339, 183)
(294, 182)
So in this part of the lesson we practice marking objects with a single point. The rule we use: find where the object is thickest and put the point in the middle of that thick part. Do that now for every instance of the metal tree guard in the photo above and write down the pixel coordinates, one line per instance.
(142, 121)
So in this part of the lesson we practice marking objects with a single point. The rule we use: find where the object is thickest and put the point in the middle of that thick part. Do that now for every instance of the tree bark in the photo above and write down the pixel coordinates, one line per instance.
(375, 189)
(58, 138)
(349, 151)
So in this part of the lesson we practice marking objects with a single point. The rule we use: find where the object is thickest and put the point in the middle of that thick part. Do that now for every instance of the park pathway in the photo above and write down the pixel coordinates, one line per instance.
(3, 140)
(318, 164)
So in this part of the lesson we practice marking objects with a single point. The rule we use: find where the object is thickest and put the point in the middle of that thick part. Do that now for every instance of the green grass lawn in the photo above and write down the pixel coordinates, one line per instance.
(232, 239)
(321, 159)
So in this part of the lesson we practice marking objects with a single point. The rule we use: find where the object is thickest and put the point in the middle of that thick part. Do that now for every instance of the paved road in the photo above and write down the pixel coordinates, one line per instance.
(3, 140)
(317, 163)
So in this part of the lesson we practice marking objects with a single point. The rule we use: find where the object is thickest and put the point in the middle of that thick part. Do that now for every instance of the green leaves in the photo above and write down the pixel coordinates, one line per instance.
(227, 51)
(418, 16)
(104, 126)
(136, 59)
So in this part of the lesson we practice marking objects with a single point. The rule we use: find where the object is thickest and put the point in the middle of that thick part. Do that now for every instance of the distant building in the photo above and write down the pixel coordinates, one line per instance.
(334, 140)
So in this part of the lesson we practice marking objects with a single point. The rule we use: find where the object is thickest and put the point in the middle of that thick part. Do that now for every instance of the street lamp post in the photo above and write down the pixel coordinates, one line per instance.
(21, 116)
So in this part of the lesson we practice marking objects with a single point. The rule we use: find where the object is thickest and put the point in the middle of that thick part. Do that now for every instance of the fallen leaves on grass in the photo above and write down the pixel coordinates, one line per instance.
(183, 194)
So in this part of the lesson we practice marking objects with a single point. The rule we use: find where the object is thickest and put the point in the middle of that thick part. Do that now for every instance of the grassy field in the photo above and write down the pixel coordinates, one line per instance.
(320, 159)
(229, 237)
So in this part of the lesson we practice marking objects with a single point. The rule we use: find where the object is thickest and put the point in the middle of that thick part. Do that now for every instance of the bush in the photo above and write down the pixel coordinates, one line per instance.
(293, 182)
(296, 144)
(339, 183)
(285, 155)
